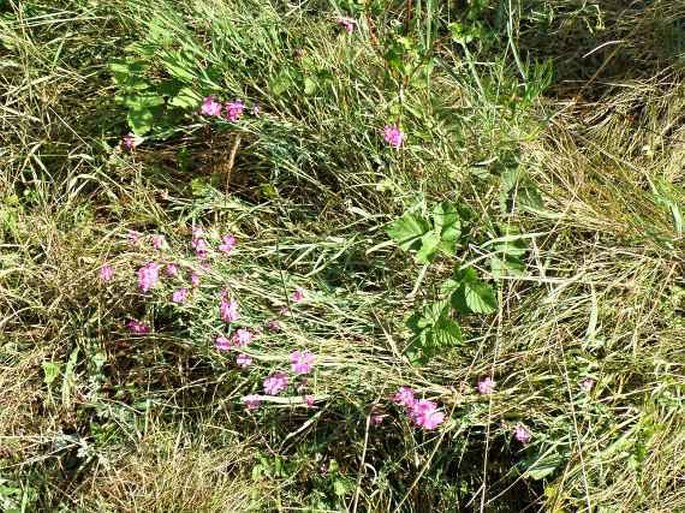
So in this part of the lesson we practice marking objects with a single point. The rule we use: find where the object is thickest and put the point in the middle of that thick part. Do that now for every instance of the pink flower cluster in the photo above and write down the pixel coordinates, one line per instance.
(302, 362)
(228, 308)
(422, 412)
(148, 276)
(234, 110)
(393, 136)
(347, 23)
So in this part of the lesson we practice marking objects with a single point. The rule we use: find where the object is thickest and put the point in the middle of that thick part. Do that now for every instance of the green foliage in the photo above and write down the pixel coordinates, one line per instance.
(428, 235)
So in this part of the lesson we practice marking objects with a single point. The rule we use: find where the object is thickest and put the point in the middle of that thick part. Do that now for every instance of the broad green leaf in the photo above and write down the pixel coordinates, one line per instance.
(429, 244)
(480, 298)
(502, 267)
(310, 86)
(473, 295)
(186, 99)
(447, 223)
(51, 372)
(408, 230)
(447, 333)
(544, 467)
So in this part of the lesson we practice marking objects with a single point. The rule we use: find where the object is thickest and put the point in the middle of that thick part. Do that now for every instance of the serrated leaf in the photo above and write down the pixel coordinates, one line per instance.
(408, 230)
(502, 267)
(186, 99)
(473, 295)
(446, 221)
(480, 298)
(447, 333)
(429, 244)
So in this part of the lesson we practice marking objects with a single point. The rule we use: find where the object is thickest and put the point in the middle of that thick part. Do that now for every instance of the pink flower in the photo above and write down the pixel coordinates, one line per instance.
(228, 309)
(486, 386)
(252, 402)
(199, 243)
(171, 270)
(405, 397)
(377, 419)
(426, 414)
(179, 296)
(210, 107)
(201, 248)
(346, 22)
(222, 343)
(522, 434)
(234, 110)
(587, 385)
(106, 273)
(309, 400)
(137, 327)
(273, 325)
(131, 141)
(148, 276)
(158, 242)
(302, 361)
(298, 295)
(228, 244)
(195, 279)
(133, 237)
(275, 383)
(284, 310)
(242, 337)
(243, 360)
(393, 136)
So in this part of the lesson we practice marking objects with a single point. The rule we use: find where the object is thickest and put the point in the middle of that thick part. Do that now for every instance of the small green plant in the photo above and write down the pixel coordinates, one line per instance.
(435, 327)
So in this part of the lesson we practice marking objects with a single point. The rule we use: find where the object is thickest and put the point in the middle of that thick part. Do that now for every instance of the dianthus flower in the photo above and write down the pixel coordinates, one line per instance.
(242, 337)
(243, 360)
(346, 22)
(522, 434)
(405, 397)
(393, 136)
(228, 243)
(486, 386)
(252, 401)
(106, 273)
(298, 295)
(210, 107)
(228, 309)
(276, 383)
(234, 110)
(302, 361)
(148, 276)
(426, 414)
(180, 295)
(222, 343)
(137, 327)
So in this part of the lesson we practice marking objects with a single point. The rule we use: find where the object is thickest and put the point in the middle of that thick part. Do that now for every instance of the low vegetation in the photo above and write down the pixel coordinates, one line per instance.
(342, 255)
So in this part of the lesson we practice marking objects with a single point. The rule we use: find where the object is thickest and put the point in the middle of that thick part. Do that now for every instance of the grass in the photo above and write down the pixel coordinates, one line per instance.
(578, 160)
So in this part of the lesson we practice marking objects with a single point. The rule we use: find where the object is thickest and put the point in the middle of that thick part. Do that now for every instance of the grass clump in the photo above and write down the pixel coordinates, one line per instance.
(511, 258)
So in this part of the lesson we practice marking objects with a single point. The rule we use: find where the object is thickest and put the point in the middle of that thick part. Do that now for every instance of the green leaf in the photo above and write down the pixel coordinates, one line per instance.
(51, 372)
(447, 333)
(447, 224)
(473, 295)
(429, 244)
(186, 99)
(502, 267)
(480, 298)
(408, 230)
(310, 86)
(544, 467)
